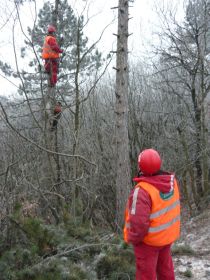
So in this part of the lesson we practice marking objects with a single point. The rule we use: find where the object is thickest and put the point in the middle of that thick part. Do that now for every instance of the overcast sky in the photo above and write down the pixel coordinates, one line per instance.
(143, 24)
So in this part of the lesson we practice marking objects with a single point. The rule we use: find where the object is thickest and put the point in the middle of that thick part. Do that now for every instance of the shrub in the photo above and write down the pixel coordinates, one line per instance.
(182, 250)
(116, 264)
(188, 274)
(39, 234)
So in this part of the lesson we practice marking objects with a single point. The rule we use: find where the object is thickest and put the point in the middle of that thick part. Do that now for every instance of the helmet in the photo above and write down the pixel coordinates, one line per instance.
(51, 28)
(149, 161)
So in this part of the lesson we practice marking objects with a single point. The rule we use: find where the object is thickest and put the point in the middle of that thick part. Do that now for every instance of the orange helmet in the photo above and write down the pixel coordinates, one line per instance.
(51, 28)
(149, 161)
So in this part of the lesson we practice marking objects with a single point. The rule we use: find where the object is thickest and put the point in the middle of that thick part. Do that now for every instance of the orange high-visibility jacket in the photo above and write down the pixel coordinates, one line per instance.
(47, 51)
(164, 217)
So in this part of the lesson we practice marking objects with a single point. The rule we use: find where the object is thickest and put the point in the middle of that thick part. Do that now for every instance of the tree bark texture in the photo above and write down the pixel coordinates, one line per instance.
(123, 180)
(51, 163)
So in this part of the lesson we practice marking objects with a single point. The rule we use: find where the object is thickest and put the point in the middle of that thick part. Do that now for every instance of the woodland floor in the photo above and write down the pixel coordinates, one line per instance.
(192, 259)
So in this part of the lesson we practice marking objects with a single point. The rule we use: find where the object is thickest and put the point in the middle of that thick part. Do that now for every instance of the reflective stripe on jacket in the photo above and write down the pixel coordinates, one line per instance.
(164, 217)
(127, 223)
(47, 51)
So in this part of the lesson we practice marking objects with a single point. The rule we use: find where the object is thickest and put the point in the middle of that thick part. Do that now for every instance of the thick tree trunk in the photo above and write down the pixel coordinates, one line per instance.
(123, 180)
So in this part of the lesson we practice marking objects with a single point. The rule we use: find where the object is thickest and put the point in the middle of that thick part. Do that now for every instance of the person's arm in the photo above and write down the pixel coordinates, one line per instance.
(54, 46)
(140, 209)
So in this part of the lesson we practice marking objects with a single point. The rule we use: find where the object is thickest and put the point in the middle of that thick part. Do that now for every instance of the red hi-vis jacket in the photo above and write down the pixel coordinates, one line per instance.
(50, 48)
(161, 216)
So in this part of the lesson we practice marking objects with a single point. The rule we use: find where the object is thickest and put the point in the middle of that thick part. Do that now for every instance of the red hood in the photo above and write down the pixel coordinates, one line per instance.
(163, 182)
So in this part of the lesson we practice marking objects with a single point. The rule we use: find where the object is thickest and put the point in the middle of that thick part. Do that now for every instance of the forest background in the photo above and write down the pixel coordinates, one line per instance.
(65, 181)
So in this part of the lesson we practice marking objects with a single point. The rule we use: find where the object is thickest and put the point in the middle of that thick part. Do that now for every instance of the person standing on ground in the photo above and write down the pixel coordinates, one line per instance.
(51, 53)
(152, 218)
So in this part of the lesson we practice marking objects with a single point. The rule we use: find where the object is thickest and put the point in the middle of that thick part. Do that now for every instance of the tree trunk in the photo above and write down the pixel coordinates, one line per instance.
(123, 179)
(51, 162)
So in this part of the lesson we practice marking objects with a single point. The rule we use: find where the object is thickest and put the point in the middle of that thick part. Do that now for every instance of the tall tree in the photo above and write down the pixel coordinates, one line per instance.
(187, 78)
(123, 178)
(79, 74)
(78, 61)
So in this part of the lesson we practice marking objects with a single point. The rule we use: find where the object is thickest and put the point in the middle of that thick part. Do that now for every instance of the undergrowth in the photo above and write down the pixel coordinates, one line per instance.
(68, 251)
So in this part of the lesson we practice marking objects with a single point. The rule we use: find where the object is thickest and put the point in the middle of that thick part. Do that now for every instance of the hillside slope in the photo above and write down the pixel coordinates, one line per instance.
(77, 251)
(192, 251)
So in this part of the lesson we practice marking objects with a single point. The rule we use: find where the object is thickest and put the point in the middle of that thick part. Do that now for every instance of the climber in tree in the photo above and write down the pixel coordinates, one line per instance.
(56, 115)
(50, 53)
